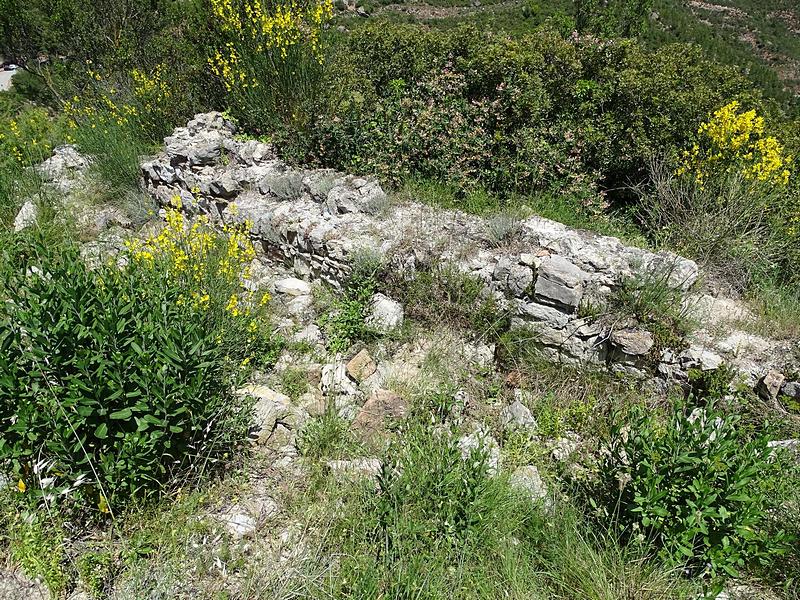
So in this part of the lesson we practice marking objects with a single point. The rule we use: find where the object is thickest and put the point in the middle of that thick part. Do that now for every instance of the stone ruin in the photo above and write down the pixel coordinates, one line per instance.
(317, 222)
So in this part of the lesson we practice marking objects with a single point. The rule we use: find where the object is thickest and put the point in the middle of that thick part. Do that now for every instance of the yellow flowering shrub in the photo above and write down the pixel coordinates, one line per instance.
(27, 136)
(139, 99)
(212, 268)
(734, 141)
(269, 55)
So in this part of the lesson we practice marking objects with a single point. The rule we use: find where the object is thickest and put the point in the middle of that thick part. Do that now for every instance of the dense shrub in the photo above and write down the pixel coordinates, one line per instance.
(613, 18)
(116, 381)
(692, 485)
(521, 114)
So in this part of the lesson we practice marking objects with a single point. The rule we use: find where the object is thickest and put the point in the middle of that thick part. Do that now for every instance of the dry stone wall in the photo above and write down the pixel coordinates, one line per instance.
(316, 221)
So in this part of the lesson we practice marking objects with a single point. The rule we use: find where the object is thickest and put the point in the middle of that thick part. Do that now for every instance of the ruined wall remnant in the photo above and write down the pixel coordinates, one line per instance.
(544, 273)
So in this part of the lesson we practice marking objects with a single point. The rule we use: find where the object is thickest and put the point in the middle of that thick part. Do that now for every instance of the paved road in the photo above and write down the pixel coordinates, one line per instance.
(5, 80)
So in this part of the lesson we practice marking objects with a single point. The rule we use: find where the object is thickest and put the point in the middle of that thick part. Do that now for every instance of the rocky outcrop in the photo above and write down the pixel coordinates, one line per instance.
(316, 221)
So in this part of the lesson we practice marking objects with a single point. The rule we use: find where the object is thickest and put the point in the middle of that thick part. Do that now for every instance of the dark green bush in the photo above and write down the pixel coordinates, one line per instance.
(110, 385)
(532, 113)
(693, 485)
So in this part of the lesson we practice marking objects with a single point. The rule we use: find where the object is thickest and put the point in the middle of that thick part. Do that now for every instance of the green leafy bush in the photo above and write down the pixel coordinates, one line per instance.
(111, 386)
(531, 113)
(692, 485)
(344, 319)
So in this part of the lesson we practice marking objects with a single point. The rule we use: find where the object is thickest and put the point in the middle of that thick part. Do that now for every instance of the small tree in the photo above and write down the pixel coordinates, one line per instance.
(612, 18)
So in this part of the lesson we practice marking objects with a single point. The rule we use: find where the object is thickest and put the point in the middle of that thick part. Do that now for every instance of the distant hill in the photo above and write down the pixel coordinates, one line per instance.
(761, 36)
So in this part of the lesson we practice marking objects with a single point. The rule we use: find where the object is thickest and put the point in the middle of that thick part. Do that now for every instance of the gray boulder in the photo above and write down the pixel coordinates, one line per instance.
(27, 216)
(791, 389)
(769, 386)
(527, 480)
(385, 314)
(559, 283)
(483, 443)
(633, 342)
(517, 417)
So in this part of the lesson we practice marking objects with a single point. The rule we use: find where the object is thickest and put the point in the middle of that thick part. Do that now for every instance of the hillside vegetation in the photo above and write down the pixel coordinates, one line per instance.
(182, 417)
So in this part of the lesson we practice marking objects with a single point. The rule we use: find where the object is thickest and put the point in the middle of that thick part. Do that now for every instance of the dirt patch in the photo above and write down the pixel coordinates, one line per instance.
(790, 18)
(426, 11)
(730, 11)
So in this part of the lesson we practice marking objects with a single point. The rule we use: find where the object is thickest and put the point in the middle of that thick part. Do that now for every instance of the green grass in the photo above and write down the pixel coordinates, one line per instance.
(116, 153)
(440, 528)
(558, 207)
(777, 310)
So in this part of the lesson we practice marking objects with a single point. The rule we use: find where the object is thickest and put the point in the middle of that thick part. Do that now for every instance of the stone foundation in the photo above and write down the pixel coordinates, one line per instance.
(544, 273)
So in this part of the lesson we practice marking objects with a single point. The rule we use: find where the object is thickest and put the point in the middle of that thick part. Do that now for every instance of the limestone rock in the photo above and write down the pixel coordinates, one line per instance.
(358, 468)
(243, 520)
(381, 408)
(310, 334)
(485, 446)
(240, 524)
(559, 283)
(551, 317)
(313, 403)
(28, 215)
(314, 220)
(556, 294)
(564, 447)
(361, 366)
(292, 286)
(65, 169)
(791, 389)
(512, 277)
(633, 342)
(481, 355)
(385, 314)
(270, 409)
(696, 357)
(334, 380)
(517, 417)
(527, 480)
(16, 586)
(769, 386)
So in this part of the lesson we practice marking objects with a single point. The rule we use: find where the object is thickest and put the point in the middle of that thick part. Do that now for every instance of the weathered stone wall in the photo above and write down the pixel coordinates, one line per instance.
(315, 221)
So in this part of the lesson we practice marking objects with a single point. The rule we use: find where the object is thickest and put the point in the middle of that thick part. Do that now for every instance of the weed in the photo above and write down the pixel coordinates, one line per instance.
(655, 304)
(344, 317)
(690, 485)
(95, 571)
(36, 543)
(714, 385)
(327, 436)
(294, 382)
(445, 293)
(502, 228)
(521, 448)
